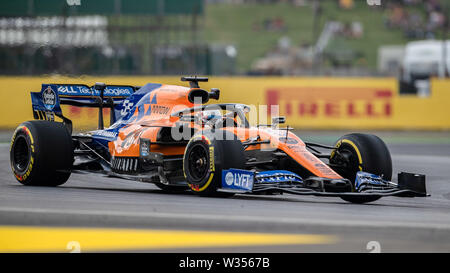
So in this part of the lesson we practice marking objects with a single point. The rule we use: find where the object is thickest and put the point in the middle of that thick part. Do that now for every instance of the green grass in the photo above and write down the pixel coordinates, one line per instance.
(233, 24)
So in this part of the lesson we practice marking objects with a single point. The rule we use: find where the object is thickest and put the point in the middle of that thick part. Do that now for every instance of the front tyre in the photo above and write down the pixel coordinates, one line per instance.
(361, 152)
(41, 153)
(205, 157)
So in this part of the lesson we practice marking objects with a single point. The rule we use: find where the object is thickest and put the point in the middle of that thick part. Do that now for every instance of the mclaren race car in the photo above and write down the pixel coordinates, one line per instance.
(168, 135)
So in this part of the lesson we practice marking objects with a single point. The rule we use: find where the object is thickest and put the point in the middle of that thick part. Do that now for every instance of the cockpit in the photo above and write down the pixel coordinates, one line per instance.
(216, 115)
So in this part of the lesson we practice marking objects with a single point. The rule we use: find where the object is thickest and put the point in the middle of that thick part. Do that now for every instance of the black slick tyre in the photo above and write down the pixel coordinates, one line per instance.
(361, 152)
(41, 153)
(205, 157)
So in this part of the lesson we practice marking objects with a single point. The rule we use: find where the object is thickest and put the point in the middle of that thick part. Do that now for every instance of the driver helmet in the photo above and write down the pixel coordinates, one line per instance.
(210, 116)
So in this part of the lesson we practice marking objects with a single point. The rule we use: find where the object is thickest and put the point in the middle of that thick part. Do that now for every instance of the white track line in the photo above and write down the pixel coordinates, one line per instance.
(229, 218)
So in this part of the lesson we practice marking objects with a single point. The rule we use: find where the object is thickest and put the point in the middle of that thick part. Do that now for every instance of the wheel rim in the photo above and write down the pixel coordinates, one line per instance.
(21, 154)
(198, 162)
(345, 160)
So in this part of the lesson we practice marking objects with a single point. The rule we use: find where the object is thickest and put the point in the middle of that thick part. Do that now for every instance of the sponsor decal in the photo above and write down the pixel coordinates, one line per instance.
(317, 163)
(132, 138)
(194, 187)
(237, 180)
(206, 140)
(146, 110)
(107, 134)
(74, 90)
(339, 102)
(365, 178)
(30, 164)
(49, 98)
(296, 148)
(117, 91)
(288, 140)
(27, 173)
(127, 105)
(278, 176)
(159, 109)
(211, 158)
(82, 90)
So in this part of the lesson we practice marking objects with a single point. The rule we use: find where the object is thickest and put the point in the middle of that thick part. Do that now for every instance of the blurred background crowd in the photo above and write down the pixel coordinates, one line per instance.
(417, 19)
(225, 37)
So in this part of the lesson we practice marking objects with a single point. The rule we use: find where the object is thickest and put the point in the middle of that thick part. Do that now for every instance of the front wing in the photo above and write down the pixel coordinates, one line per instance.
(280, 181)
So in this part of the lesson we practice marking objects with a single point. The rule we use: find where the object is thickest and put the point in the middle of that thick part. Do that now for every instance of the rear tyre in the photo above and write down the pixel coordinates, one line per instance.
(205, 157)
(41, 153)
(361, 152)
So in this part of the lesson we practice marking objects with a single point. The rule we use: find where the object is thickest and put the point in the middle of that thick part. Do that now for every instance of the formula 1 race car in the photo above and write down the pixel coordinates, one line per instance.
(169, 136)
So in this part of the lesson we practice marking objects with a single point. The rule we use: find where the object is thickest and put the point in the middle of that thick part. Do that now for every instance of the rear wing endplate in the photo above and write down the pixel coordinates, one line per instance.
(47, 103)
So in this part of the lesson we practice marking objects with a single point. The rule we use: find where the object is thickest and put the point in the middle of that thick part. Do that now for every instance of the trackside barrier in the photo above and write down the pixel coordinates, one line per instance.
(315, 103)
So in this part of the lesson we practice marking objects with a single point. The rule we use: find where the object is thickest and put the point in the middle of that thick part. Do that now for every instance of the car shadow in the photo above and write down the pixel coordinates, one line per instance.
(270, 198)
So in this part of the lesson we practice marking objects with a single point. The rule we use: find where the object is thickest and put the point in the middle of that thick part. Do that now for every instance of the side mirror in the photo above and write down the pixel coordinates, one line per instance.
(278, 120)
(214, 94)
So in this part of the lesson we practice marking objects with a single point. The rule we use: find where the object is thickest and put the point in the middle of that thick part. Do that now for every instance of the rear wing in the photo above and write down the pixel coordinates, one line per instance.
(47, 103)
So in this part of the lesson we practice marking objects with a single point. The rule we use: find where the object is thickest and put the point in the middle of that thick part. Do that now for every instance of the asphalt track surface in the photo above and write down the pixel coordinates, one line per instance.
(91, 205)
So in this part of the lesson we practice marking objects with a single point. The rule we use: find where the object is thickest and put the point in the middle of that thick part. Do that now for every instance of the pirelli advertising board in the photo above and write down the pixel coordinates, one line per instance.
(314, 103)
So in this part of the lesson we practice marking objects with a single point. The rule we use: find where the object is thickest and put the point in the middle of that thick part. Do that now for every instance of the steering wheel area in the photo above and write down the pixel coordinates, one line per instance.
(216, 115)
(225, 122)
